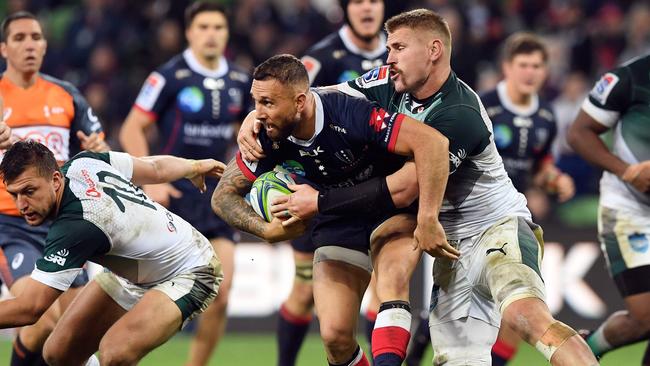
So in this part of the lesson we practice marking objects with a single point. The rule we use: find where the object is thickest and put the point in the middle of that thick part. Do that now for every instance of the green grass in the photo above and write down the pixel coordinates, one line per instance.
(256, 350)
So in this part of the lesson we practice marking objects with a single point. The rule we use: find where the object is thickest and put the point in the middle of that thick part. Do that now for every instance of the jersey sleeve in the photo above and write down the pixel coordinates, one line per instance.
(467, 132)
(375, 85)
(123, 162)
(154, 94)
(70, 243)
(253, 169)
(369, 123)
(609, 97)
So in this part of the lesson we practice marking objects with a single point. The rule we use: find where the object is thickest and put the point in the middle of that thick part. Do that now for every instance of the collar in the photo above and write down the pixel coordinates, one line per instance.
(376, 53)
(194, 64)
(502, 92)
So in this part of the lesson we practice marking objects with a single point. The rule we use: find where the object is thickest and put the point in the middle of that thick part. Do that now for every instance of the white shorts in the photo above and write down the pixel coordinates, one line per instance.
(496, 267)
(191, 291)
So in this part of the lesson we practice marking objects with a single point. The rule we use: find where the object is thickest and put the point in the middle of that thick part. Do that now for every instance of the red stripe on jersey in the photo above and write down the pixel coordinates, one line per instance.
(244, 169)
(395, 132)
(390, 339)
(151, 114)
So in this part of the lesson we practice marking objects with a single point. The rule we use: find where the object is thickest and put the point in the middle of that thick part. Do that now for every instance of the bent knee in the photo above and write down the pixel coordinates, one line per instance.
(115, 355)
(337, 337)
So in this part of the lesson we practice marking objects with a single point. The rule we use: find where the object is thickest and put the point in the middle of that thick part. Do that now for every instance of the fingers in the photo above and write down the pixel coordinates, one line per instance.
(280, 200)
(278, 208)
(292, 220)
(257, 126)
(175, 193)
(82, 137)
(5, 136)
(448, 248)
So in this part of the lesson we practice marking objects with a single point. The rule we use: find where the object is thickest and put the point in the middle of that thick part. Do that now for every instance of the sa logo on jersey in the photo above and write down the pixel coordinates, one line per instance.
(373, 77)
(604, 87)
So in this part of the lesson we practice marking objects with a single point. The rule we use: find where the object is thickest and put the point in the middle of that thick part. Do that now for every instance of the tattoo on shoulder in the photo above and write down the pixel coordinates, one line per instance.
(228, 201)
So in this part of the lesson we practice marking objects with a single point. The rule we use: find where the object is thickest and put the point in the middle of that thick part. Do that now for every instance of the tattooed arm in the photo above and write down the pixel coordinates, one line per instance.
(229, 204)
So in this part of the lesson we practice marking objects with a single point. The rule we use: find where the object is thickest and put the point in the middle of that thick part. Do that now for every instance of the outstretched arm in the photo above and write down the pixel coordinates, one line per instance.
(28, 307)
(229, 204)
(167, 168)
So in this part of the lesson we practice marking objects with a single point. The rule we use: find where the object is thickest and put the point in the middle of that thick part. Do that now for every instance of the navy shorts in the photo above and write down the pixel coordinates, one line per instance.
(196, 209)
(304, 243)
(21, 246)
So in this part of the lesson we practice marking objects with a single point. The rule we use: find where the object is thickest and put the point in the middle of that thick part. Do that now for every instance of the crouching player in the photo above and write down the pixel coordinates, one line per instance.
(163, 271)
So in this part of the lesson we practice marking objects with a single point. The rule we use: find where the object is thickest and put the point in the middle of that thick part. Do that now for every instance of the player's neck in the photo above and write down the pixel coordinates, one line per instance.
(210, 64)
(22, 80)
(517, 98)
(307, 126)
(434, 83)
(362, 43)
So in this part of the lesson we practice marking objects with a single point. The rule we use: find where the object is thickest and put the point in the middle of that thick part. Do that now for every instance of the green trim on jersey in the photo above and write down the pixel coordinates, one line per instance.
(104, 156)
(72, 241)
(528, 246)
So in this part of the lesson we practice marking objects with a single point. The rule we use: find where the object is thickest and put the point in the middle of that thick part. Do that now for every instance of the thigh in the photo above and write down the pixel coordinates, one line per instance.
(151, 322)
(85, 321)
(625, 240)
(338, 291)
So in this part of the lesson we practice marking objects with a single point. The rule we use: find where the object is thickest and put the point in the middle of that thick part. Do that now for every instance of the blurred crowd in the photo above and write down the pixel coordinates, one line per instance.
(108, 47)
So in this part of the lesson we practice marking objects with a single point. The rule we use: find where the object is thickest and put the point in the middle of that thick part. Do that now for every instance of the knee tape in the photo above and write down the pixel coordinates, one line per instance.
(553, 338)
(304, 271)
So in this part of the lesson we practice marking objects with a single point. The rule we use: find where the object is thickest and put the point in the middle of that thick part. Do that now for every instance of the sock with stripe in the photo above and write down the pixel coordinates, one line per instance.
(291, 333)
(21, 356)
(358, 359)
(597, 342)
(391, 334)
(502, 353)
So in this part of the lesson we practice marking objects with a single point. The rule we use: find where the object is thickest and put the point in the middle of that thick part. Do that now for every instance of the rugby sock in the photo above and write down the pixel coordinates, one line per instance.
(597, 342)
(291, 333)
(358, 359)
(502, 353)
(420, 341)
(391, 334)
(21, 356)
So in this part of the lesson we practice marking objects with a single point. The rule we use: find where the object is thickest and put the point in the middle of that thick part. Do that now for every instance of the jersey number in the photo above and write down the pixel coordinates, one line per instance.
(123, 189)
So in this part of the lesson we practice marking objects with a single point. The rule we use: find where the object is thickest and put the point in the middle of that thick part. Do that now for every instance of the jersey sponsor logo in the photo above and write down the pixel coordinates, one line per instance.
(639, 242)
(312, 65)
(57, 139)
(522, 122)
(378, 119)
(312, 153)
(190, 99)
(456, 159)
(150, 91)
(213, 84)
(604, 87)
(371, 64)
(18, 260)
(500, 250)
(502, 136)
(375, 77)
(182, 74)
(208, 131)
(292, 167)
(58, 258)
(92, 186)
(347, 75)
(338, 129)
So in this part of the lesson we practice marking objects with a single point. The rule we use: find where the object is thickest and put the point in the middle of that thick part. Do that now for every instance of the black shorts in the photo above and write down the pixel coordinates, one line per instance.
(304, 243)
(21, 245)
(196, 209)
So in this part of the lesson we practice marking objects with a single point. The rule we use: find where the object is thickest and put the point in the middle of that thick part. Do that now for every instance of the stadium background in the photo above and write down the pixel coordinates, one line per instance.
(108, 47)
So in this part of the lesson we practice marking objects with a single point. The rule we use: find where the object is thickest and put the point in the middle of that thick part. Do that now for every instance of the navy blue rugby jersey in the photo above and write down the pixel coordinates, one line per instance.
(336, 59)
(523, 136)
(196, 109)
(353, 142)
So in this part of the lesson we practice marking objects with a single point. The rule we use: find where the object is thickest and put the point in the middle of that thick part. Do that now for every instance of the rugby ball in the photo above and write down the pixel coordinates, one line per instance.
(265, 189)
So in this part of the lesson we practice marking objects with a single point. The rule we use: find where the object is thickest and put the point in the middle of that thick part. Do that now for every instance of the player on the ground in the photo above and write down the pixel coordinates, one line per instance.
(357, 47)
(196, 100)
(98, 213)
(620, 101)
(339, 141)
(52, 111)
(483, 214)
(524, 128)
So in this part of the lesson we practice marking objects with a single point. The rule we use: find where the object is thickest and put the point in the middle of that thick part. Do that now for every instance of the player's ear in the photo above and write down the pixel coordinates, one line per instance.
(57, 180)
(436, 49)
(3, 49)
(300, 100)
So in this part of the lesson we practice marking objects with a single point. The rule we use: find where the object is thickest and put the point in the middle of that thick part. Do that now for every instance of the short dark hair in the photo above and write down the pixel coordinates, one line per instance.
(13, 17)
(202, 6)
(522, 43)
(287, 69)
(25, 154)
